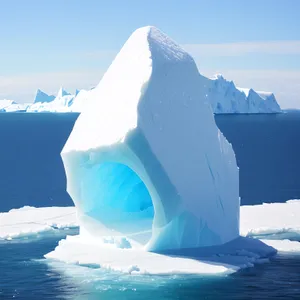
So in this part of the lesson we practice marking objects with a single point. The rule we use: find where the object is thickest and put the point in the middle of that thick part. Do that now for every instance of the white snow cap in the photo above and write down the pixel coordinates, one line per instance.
(146, 148)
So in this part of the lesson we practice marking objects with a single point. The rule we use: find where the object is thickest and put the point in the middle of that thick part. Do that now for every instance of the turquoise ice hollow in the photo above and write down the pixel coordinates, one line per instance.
(145, 159)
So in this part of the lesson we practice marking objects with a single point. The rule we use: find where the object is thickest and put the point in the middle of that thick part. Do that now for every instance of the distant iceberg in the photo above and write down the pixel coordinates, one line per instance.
(225, 98)
(12, 106)
(44, 103)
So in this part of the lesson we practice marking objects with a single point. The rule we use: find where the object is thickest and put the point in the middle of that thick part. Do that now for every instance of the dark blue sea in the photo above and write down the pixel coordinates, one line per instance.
(267, 149)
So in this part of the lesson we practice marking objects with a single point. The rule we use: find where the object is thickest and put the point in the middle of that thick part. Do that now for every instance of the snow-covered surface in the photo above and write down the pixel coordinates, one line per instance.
(225, 97)
(5, 103)
(137, 149)
(16, 107)
(284, 245)
(30, 221)
(255, 221)
(275, 220)
(81, 99)
(240, 253)
(270, 220)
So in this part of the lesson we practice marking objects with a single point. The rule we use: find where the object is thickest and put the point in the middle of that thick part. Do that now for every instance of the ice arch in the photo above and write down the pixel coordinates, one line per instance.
(150, 113)
(117, 197)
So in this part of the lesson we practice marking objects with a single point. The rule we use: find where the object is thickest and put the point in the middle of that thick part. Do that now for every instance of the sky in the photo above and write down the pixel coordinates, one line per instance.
(70, 43)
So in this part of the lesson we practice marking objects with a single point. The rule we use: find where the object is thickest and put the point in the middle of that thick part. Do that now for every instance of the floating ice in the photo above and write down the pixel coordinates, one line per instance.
(272, 220)
(45, 103)
(30, 221)
(145, 158)
(284, 245)
(240, 253)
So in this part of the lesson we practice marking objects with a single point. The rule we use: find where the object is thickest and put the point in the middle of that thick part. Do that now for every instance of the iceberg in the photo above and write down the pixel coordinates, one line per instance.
(225, 98)
(145, 158)
(5, 103)
(45, 103)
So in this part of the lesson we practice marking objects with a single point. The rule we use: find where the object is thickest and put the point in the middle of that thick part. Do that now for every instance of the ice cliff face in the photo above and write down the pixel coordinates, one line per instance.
(145, 158)
(44, 103)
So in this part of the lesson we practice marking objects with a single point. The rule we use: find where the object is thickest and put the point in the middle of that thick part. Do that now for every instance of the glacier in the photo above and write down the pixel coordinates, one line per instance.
(154, 181)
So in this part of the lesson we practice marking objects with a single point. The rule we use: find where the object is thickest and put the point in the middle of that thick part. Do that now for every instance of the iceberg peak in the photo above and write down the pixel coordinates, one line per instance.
(42, 97)
(62, 92)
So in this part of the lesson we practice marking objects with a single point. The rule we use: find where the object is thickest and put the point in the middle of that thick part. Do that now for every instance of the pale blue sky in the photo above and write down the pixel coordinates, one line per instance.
(46, 44)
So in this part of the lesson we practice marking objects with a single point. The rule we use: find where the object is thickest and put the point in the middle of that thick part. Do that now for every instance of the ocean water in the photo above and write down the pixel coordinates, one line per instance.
(26, 275)
(32, 171)
(267, 149)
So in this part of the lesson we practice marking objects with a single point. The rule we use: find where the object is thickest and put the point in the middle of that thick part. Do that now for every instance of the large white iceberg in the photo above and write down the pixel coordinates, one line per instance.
(145, 158)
